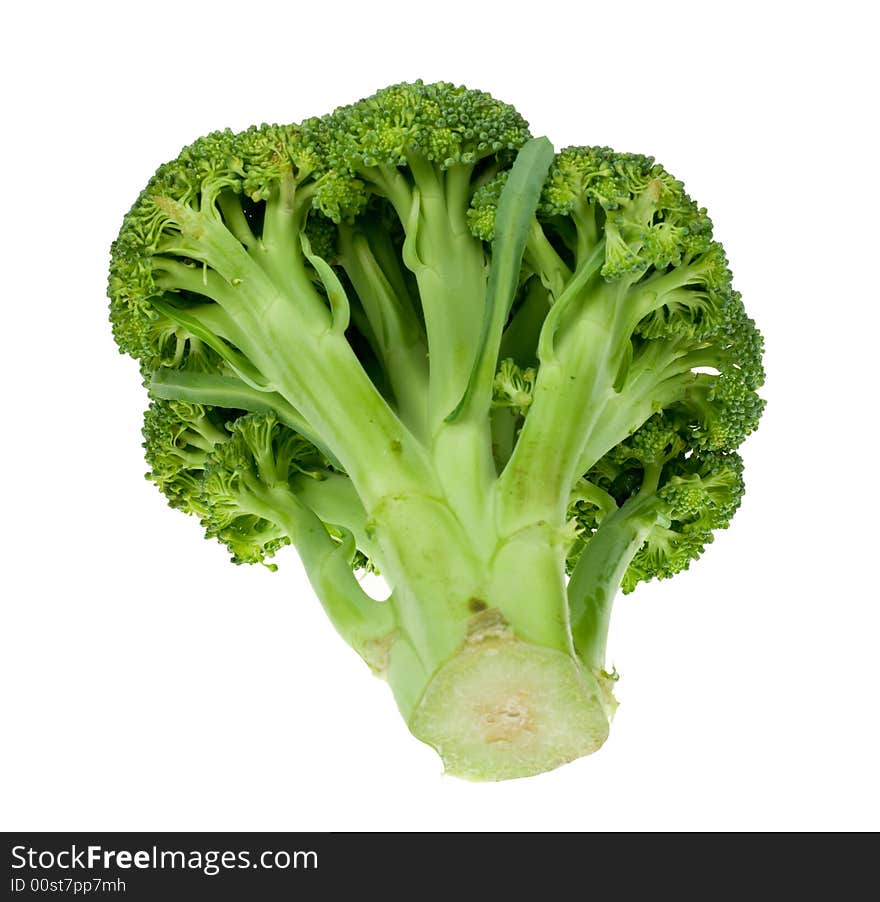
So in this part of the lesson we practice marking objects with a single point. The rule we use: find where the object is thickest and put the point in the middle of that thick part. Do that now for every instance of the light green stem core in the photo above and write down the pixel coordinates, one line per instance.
(483, 667)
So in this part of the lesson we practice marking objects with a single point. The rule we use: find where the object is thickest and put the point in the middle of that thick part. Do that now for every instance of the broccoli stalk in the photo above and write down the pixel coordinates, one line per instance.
(410, 338)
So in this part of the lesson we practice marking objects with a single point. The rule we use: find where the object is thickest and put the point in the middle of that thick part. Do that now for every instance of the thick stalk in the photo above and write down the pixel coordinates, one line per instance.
(462, 452)
(483, 668)
(579, 349)
(279, 248)
(538, 477)
(434, 570)
(327, 383)
(528, 586)
(443, 576)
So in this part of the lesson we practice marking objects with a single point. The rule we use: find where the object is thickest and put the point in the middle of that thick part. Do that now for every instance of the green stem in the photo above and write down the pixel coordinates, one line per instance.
(542, 257)
(233, 215)
(465, 437)
(600, 570)
(434, 572)
(585, 490)
(584, 216)
(335, 501)
(365, 624)
(388, 259)
(449, 268)
(449, 584)
(397, 335)
(391, 184)
(462, 454)
(324, 379)
(211, 325)
(630, 409)
(516, 209)
(250, 287)
(279, 250)
(283, 330)
(574, 385)
(204, 434)
(228, 392)
(172, 275)
(458, 195)
(528, 585)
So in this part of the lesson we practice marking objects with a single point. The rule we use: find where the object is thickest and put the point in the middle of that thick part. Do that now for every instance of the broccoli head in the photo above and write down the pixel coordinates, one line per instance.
(409, 337)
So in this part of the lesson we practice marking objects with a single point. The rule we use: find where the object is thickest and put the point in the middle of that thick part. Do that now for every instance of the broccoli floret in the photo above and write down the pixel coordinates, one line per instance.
(408, 337)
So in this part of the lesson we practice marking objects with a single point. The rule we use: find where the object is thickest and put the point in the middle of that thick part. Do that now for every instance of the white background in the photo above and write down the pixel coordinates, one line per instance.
(149, 684)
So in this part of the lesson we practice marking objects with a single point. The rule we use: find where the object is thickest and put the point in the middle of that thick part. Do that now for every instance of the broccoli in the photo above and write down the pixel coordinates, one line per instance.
(409, 337)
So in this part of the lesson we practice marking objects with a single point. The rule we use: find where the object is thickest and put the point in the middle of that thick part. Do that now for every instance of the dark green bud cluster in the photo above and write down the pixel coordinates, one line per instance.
(231, 473)
(690, 492)
(372, 170)
(341, 197)
(698, 303)
(215, 171)
(264, 155)
(247, 480)
(726, 411)
(646, 217)
(605, 178)
(178, 439)
(654, 443)
(700, 496)
(725, 408)
(441, 123)
(481, 214)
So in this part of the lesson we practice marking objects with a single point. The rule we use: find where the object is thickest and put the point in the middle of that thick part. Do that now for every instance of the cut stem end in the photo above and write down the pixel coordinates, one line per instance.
(502, 709)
